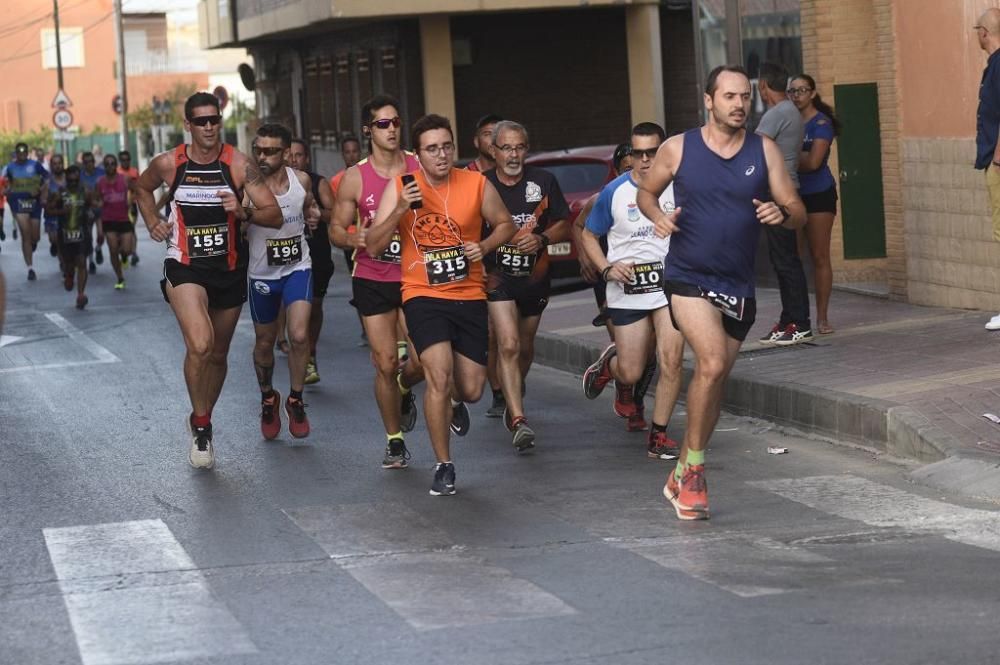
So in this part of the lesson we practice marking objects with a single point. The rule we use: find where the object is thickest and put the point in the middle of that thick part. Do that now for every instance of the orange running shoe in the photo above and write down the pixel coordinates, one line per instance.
(690, 496)
(298, 422)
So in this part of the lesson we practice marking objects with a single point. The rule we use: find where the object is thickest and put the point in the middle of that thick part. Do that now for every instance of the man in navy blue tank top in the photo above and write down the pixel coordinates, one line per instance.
(727, 183)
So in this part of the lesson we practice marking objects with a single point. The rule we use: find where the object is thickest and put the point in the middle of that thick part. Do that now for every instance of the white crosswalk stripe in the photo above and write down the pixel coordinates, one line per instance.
(134, 596)
(880, 505)
(418, 571)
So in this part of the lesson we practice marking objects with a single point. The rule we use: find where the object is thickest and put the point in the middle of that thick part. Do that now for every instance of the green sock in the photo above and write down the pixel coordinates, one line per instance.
(695, 457)
(390, 437)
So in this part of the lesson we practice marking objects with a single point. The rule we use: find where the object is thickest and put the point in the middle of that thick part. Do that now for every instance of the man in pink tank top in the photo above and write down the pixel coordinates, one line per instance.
(376, 279)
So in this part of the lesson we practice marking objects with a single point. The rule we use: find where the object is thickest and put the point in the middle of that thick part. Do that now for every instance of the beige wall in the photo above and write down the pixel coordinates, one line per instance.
(940, 66)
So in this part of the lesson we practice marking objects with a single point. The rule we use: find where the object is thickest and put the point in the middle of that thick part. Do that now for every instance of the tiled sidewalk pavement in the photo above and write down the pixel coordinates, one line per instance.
(912, 381)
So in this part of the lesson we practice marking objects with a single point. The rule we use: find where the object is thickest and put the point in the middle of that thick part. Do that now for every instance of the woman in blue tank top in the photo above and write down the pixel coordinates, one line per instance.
(817, 187)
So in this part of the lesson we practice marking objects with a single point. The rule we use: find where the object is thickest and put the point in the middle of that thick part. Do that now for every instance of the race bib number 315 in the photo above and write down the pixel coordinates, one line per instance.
(207, 241)
(512, 262)
(446, 265)
(283, 251)
(647, 279)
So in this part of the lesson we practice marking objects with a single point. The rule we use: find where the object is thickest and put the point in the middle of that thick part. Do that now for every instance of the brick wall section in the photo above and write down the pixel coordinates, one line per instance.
(563, 74)
(840, 45)
(890, 99)
(682, 98)
(951, 256)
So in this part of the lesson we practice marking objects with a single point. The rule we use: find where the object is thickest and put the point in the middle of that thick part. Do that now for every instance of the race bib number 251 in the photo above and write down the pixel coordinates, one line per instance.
(513, 262)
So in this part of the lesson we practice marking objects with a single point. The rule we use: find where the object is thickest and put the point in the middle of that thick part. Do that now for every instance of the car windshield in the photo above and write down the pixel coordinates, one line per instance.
(576, 177)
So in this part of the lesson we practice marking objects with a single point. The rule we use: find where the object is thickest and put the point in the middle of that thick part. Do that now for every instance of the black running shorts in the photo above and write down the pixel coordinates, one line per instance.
(531, 297)
(825, 201)
(321, 280)
(372, 298)
(464, 323)
(118, 227)
(225, 289)
(736, 329)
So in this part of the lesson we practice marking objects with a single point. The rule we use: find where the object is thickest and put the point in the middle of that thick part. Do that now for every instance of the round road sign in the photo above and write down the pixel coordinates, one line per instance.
(62, 118)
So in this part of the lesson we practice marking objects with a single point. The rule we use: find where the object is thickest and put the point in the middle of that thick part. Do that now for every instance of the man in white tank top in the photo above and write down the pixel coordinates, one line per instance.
(280, 273)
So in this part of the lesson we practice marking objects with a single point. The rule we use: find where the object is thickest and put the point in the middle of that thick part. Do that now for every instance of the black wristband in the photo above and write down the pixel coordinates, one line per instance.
(785, 215)
(604, 273)
(544, 239)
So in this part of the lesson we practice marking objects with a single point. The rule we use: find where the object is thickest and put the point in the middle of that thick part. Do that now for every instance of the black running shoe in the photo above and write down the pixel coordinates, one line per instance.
(92, 269)
(408, 412)
(460, 420)
(396, 455)
(498, 406)
(134, 260)
(31, 275)
(444, 480)
(99, 256)
(53, 250)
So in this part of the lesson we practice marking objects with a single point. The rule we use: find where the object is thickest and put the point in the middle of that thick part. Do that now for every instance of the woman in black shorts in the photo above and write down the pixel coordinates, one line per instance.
(817, 187)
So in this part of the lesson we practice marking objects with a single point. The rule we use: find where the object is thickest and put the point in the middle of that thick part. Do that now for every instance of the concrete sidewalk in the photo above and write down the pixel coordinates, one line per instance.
(911, 381)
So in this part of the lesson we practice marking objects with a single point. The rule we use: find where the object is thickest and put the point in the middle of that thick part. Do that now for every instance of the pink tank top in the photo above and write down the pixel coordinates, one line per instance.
(115, 198)
(385, 267)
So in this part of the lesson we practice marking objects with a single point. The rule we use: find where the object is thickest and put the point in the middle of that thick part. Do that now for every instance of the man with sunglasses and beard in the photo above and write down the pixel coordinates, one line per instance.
(439, 215)
(280, 273)
(728, 182)
(518, 282)
(376, 276)
(205, 272)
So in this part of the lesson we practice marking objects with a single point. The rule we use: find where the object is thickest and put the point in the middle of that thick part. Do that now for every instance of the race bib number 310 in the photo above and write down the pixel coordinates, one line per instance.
(647, 279)
(446, 265)
(391, 254)
(512, 262)
(283, 251)
(207, 241)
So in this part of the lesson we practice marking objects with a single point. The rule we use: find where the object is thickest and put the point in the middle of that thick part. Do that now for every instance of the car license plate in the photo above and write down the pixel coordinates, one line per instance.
(559, 249)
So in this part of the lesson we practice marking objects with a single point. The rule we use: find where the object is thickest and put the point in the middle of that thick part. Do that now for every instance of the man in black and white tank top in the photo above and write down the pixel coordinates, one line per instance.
(205, 269)
(721, 175)
(281, 274)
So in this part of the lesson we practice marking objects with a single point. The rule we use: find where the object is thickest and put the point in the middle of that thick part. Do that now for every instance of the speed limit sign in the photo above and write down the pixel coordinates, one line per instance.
(62, 118)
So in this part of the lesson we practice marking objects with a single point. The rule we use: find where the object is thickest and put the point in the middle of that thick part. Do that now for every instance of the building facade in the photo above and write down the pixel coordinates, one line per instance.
(913, 219)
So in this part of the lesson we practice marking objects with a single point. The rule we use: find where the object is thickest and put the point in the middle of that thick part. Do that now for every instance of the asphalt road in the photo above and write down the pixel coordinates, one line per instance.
(114, 551)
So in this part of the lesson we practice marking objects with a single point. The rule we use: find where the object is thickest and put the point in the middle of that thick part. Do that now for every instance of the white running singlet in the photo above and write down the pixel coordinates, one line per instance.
(275, 253)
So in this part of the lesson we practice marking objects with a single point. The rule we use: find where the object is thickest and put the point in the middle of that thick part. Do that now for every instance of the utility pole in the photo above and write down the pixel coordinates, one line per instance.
(59, 71)
(122, 88)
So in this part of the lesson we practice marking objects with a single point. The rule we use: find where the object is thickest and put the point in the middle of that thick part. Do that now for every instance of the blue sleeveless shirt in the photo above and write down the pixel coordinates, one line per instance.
(717, 230)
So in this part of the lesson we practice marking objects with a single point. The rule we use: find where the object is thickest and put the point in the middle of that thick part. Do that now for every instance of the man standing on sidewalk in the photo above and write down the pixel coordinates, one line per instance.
(988, 120)
(783, 124)
(727, 182)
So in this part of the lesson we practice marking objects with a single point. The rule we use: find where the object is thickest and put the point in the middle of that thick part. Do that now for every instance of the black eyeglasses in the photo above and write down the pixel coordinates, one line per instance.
(385, 123)
(796, 92)
(203, 120)
(269, 152)
(648, 153)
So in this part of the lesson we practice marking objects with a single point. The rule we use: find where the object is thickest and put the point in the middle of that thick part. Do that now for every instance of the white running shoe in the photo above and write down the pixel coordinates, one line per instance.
(994, 323)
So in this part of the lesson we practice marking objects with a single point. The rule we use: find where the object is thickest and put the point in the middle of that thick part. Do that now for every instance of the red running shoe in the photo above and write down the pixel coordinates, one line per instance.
(624, 405)
(693, 489)
(660, 446)
(598, 375)
(68, 280)
(270, 418)
(636, 422)
(298, 422)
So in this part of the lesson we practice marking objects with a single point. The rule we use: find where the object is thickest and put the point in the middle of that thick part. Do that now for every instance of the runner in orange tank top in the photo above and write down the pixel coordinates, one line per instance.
(439, 216)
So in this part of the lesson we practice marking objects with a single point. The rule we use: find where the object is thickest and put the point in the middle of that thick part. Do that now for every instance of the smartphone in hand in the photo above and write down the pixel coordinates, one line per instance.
(419, 203)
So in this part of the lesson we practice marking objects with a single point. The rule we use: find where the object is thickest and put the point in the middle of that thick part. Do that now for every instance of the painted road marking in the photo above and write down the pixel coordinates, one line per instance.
(99, 353)
(417, 570)
(134, 596)
(8, 339)
(880, 505)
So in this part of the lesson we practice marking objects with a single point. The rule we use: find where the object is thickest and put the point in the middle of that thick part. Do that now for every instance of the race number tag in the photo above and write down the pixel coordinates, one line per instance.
(283, 251)
(392, 253)
(207, 241)
(731, 306)
(513, 262)
(648, 278)
(446, 265)
(72, 235)
(26, 205)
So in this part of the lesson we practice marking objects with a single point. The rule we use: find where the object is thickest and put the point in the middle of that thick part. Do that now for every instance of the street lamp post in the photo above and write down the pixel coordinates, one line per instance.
(122, 87)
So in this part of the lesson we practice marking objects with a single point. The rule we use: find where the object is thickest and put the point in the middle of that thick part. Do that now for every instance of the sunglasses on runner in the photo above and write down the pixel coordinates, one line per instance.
(203, 120)
(269, 152)
(385, 123)
(648, 153)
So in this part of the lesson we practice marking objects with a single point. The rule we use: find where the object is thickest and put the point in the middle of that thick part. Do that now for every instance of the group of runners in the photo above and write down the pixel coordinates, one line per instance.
(80, 204)
(450, 269)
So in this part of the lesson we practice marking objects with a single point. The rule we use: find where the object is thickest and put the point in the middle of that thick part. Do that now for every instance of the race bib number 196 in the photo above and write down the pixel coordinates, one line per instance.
(283, 251)
(207, 241)
(647, 279)
(446, 265)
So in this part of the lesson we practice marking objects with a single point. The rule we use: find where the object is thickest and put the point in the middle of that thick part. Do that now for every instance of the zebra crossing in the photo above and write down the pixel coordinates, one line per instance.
(138, 574)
